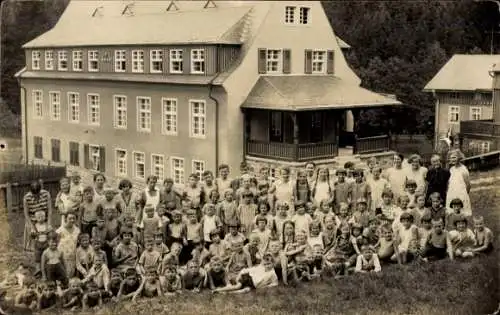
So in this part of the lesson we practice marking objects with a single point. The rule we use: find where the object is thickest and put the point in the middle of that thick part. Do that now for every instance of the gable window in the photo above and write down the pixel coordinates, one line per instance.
(198, 167)
(137, 61)
(74, 153)
(177, 170)
(156, 60)
(120, 61)
(176, 62)
(453, 114)
(77, 60)
(319, 61)
(73, 107)
(273, 61)
(120, 111)
(169, 121)
(304, 15)
(289, 15)
(36, 57)
(38, 103)
(121, 162)
(49, 60)
(94, 108)
(38, 147)
(62, 60)
(55, 105)
(56, 150)
(144, 114)
(198, 117)
(93, 61)
(139, 165)
(158, 166)
(475, 113)
(198, 61)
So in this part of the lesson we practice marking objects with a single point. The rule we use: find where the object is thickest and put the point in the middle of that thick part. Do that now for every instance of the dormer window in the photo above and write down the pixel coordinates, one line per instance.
(198, 61)
(290, 15)
(77, 60)
(120, 61)
(292, 18)
(176, 62)
(304, 15)
(138, 61)
(62, 60)
(36, 56)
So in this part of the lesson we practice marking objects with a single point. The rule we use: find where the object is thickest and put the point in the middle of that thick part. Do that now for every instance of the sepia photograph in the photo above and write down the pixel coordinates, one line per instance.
(249, 157)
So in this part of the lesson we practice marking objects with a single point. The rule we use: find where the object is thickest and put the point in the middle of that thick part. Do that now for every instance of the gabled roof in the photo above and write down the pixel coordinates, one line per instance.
(464, 73)
(306, 92)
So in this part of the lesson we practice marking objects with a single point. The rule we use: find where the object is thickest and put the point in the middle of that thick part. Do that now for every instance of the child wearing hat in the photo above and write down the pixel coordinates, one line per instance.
(462, 238)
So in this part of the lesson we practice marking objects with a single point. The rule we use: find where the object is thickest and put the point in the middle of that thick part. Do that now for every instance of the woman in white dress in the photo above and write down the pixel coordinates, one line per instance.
(68, 240)
(283, 189)
(416, 172)
(459, 183)
(396, 176)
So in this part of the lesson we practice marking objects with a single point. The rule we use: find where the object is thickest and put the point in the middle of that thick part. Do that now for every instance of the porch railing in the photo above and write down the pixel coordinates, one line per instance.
(372, 144)
(480, 127)
(290, 151)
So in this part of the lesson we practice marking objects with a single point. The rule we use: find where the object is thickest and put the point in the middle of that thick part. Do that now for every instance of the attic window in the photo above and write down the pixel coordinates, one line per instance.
(210, 4)
(172, 6)
(128, 10)
(97, 12)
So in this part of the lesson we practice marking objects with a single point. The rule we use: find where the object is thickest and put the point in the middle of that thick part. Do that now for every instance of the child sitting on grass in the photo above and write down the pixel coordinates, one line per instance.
(457, 206)
(405, 234)
(340, 259)
(28, 297)
(387, 246)
(129, 288)
(194, 278)
(49, 297)
(239, 260)
(150, 259)
(150, 286)
(437, 244)
(483, 235)
(73, 296)
(368, 260)
(424, 230)
(462, 238)
(216, 274)
(92, 298)
(171, 282)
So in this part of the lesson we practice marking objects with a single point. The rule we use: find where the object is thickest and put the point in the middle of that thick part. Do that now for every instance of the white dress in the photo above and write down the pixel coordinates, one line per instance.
(457, 188)
(396, 178)
(418, 176)
(284, 192)
(322, 192)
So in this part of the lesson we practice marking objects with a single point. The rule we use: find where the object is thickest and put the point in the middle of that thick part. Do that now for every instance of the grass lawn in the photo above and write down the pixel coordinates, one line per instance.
(460, 287)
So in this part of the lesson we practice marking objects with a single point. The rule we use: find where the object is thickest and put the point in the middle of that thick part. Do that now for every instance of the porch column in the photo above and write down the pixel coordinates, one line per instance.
(293, 115)
(246, 131)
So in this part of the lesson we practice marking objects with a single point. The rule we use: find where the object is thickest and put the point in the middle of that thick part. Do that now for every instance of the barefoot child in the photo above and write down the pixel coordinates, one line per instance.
(129, 288)
(84, 256)
(52, 262)
(28, 297)
(73, 296)
(92, 297)
(40, 231)
(437, 244)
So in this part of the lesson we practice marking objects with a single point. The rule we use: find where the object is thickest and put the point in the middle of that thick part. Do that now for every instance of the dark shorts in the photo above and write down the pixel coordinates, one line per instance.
(434, 252)
(246, 281)
(87, 227)
(56, 272)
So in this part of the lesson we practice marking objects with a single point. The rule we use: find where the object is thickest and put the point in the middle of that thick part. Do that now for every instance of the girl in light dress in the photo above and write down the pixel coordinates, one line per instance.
(283, 189)
(322, 188)
(68, 240)
(459, 183)
(65, 201)
(396, 176)
(416, 172)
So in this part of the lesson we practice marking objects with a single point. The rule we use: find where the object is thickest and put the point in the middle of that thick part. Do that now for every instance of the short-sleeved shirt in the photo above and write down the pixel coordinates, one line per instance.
(150, 260)
(38, 202)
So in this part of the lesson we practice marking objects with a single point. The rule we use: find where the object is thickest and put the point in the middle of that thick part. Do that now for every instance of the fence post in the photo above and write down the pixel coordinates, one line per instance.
(8, 196)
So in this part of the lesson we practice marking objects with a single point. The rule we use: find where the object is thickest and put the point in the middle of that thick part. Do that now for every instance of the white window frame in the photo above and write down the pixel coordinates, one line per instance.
(55, 114)
(62, 56)
(179, 58)
(271, 61)
(169, 115)
(138, 61)
(91, 106)
(196, 170)
(174, 169)
(116, 111)
(198, 61)
(121, 162)
(453, 110)
(73, 108)
(307, 17)
(49, 60)
(197, 117)
(77, 60)
(36, 59)
(147, 114)
(136, 154)
(317, 60)
(158, 169)
(37, 97)
(479, 112)
(155, 57)
(95, 156)
(93, 57)
(120, 61)
(290, 14)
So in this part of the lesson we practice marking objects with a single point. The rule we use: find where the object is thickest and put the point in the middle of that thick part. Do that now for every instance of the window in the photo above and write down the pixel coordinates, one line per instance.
(73, 107)
(95, 157)
(304, 15)
(156, 60)
(56, 150)
(49, 60)
(139, 165)
(177, 170)
(38, 147)
(158, 166)
(120, 117)
(273, 61)
(198, 167)
(137, 61)
(290, 15)
(485, 147)
(121, 162)
(276, 127)
(120, 61)
(197, 61)
(169, 121)
(198, 116)
(77, 60)
(176, 61)
(475, 113)
(74, 153)
(93, 61)
(319, 61)
(55, 105)
(144, 114)
(38, 104)
(36, 56)
(62, 60)
(94, 105)
(454, 114)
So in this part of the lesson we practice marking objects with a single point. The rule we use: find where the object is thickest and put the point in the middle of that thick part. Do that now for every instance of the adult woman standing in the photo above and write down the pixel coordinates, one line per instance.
(128, 199)
(37, 199)
(437, 178)
(396, 176)
(283, 189)
(99, 181)
(459, 183)
(416, 172)
(68, 240)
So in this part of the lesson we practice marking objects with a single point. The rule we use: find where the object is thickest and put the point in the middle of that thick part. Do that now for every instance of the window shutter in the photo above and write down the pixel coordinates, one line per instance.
(330, 67)
(262, 60)
(308, 61)
(102, 162)
(287, 67)
(86, 156)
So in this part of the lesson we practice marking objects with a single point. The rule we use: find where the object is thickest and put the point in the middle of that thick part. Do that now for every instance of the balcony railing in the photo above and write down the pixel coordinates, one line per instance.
(480, 127)
(292, 152)
(372, 144)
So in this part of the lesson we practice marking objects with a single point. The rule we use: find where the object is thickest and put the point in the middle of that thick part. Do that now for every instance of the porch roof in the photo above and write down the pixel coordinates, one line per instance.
(310, 92)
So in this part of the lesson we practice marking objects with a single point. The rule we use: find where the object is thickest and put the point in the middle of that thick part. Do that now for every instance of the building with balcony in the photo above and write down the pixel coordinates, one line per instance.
(176, 87)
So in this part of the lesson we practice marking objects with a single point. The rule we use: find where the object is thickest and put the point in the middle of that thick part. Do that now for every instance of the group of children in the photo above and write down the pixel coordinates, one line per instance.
(230, 235)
